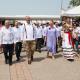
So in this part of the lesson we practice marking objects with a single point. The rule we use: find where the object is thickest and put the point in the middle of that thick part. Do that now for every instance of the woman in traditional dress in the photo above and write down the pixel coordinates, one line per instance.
(67, 43)
(51, 39)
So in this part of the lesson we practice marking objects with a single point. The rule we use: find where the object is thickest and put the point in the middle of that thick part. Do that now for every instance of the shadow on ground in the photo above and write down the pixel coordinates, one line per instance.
(58, 56)
(22, 60)
(38, 59)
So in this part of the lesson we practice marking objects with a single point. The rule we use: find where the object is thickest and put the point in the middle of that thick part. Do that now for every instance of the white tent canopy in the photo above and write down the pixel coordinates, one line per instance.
(72, 12)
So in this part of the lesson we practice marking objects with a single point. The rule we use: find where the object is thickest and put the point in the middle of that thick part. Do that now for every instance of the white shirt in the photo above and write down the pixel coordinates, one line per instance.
(54, 26)
(17, 36)
(22, 29)
(78, 31)
(58, 31)
(7, 35)
(29, 33)
(74, 33)
(44, 31)
(39, 32)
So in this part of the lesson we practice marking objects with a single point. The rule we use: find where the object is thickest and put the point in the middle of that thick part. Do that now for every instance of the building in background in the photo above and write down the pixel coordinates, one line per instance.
(35, 18)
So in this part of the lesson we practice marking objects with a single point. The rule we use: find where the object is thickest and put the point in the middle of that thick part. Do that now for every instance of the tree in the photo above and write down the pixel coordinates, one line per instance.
(75, 2)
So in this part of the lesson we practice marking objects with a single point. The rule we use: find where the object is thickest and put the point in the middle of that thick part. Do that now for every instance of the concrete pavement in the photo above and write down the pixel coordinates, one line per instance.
(42, 68)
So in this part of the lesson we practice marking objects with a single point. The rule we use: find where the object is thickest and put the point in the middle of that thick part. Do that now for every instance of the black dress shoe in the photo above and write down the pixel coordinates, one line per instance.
(10, 64)
(18, 59)
(71, 60)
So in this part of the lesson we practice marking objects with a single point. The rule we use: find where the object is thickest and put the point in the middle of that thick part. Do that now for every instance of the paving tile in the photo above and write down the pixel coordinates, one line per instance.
(40, 69)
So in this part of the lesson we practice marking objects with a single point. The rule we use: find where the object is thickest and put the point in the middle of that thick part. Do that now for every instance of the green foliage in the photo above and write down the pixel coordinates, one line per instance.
(75, 2)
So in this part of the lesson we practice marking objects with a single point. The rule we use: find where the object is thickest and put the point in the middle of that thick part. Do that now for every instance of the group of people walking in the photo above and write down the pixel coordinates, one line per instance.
(11, 38)
(36, 36)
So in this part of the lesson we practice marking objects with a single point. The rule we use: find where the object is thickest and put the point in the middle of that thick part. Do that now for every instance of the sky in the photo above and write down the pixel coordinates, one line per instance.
(32, 7)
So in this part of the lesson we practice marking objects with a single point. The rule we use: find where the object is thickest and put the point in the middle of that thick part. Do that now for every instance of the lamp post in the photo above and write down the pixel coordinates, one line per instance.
(61, 9)
(61, 5)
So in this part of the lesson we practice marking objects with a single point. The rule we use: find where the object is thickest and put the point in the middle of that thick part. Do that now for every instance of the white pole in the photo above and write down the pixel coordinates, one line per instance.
(61, 9)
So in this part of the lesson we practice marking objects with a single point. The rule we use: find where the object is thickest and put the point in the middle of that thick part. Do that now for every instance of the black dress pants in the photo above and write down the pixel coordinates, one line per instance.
(38, 43)
(8, 52)
(18, 48)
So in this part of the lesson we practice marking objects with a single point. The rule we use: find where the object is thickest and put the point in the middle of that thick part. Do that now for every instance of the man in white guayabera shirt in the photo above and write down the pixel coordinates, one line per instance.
(38, 37)
(29, 38)
(17, 40)
(7, 40)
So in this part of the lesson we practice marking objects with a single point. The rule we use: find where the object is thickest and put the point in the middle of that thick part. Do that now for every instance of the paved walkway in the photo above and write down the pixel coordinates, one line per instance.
(18, 71)
(4, 70)
(41, 69)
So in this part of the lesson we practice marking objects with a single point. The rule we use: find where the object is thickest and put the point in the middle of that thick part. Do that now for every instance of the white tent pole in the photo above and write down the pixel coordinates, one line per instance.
(61, 9)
